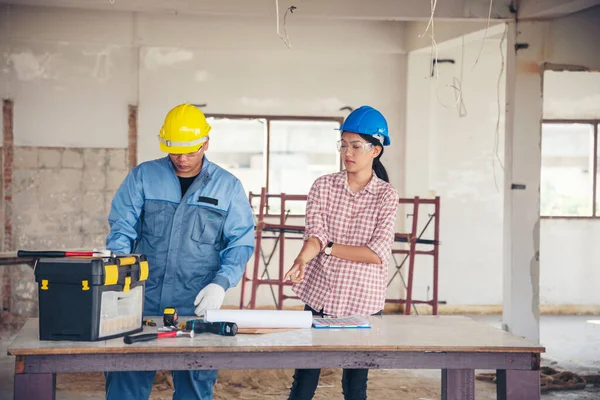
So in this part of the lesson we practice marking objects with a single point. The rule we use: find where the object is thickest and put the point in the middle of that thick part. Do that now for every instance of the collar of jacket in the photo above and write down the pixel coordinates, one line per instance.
(205, 165)
(204, 176)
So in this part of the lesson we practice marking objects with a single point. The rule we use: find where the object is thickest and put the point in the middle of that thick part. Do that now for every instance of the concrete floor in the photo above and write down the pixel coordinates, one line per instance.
(571, 342)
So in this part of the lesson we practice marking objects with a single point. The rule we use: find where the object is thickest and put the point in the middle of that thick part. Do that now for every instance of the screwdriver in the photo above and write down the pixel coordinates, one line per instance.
(218, 328)
(151, 336)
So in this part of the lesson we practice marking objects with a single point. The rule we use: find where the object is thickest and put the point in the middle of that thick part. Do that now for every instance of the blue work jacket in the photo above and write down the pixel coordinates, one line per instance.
(205, 237)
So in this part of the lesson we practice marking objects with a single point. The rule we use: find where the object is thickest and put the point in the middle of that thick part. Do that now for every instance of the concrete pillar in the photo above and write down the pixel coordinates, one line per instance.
(525, 44)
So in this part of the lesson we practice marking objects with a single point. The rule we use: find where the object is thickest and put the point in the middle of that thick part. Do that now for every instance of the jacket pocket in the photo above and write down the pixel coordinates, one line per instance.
(154, 218)
(208, 225)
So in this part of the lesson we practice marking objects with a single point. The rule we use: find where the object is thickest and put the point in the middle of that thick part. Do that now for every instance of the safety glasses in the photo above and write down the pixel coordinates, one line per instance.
(354, 147)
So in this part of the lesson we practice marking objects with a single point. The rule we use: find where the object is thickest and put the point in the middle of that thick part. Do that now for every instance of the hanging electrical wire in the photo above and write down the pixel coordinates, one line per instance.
(496, 151)
(434, 59)
(487, 28)
(462, 108)
(458, 83)
(290, 10)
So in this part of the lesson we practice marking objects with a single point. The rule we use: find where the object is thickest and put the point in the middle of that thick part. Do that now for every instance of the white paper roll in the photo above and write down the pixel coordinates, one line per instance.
(262, 318)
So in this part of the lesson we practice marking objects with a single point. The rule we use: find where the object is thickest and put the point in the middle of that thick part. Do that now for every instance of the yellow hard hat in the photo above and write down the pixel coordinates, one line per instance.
(184, 131)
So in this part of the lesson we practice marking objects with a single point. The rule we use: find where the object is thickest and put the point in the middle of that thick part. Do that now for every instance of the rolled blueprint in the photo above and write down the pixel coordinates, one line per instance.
(262, 318)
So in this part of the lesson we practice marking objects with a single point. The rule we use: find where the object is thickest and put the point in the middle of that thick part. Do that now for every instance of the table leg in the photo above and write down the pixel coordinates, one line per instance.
(35, 386)
(518, 385)
(458, 384)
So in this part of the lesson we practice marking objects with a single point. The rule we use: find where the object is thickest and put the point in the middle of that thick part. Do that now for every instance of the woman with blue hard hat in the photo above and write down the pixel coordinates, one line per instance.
(350, 225)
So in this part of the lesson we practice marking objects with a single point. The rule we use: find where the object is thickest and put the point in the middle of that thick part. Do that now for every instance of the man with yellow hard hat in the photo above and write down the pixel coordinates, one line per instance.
(193, 221)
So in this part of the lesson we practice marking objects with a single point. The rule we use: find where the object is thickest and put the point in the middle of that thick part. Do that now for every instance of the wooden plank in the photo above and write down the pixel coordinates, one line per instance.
(388, 333)
(458, 384)
(35, 386)
(10, 258)
(518, 385)
(270, 360)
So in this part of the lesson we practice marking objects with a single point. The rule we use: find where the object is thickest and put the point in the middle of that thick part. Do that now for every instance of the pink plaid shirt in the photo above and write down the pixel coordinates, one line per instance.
(366, 218)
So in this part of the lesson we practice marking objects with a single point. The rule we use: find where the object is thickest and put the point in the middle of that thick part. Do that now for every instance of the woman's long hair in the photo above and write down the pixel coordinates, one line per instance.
(378, 167)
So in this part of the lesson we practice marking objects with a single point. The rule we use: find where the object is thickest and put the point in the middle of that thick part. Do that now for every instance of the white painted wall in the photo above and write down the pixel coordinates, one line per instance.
(452, 157)
(72, 74)
(571, 95)
(568, 255)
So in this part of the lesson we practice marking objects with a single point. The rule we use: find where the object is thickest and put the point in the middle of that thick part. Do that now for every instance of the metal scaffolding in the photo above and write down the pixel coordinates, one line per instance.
(414, 238)
(279, 233)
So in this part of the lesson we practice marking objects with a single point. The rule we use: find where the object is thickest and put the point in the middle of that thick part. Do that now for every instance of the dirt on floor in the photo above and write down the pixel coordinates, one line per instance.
(274, 384)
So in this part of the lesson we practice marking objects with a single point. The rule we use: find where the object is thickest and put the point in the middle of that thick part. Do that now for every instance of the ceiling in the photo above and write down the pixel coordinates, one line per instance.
(400, 10)
(395, 10)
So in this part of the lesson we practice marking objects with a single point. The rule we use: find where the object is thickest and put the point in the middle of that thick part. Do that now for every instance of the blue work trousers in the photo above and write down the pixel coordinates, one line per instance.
(137, 385)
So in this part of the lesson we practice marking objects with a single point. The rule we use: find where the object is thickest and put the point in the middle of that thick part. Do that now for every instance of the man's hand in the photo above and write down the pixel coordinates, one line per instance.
(209, 298)
(296, 273)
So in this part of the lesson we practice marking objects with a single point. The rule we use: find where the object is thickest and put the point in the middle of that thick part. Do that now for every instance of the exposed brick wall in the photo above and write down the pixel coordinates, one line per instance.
(61, 200)
(7, 175)
(132, 137)
(52, 199)
(64, 195)
(7, 162)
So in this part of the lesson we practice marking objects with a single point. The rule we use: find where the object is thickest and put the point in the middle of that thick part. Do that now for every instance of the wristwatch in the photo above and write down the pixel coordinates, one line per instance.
(328, 248)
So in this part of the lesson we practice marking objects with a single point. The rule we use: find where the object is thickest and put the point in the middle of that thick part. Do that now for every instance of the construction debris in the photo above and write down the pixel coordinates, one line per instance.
(551, 379)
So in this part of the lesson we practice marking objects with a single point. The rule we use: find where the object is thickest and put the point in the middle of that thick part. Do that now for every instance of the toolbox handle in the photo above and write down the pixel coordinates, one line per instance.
(150, 336)
(25, 253)
(140, 338)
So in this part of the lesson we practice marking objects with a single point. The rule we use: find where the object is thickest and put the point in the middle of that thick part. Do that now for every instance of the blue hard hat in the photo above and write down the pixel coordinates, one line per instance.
(366, 120)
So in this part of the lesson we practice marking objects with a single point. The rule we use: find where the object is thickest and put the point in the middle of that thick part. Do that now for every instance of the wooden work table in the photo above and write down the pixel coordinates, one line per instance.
(454, 344)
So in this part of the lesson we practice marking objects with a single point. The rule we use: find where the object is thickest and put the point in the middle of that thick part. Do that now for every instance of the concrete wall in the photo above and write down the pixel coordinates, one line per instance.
(571, 95)
(73, 73)
(451, 154)
(568, 262)
(573, 40)
(66, 192)
(567, 250)
(568, 270)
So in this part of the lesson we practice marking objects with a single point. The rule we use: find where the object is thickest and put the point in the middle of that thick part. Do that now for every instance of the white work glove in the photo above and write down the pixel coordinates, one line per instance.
(209, 298)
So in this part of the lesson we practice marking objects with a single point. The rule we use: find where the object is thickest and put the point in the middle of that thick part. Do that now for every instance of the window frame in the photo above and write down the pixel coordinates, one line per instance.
(269, 119)
(594, 123)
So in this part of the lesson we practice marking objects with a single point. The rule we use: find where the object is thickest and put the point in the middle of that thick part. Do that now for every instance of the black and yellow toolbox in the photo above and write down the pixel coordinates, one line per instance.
(89, 299)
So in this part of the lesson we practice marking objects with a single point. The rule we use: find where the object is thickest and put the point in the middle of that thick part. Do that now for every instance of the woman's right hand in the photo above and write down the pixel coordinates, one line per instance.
(296, 273)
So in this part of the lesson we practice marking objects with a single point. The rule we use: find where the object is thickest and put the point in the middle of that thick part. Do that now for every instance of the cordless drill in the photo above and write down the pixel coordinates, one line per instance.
(218, 328)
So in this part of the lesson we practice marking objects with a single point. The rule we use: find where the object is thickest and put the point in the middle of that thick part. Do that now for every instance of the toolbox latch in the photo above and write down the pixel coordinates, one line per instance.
(143, 270)
(44, 284)
(85, 285)
(111, 274)
(127, 284)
